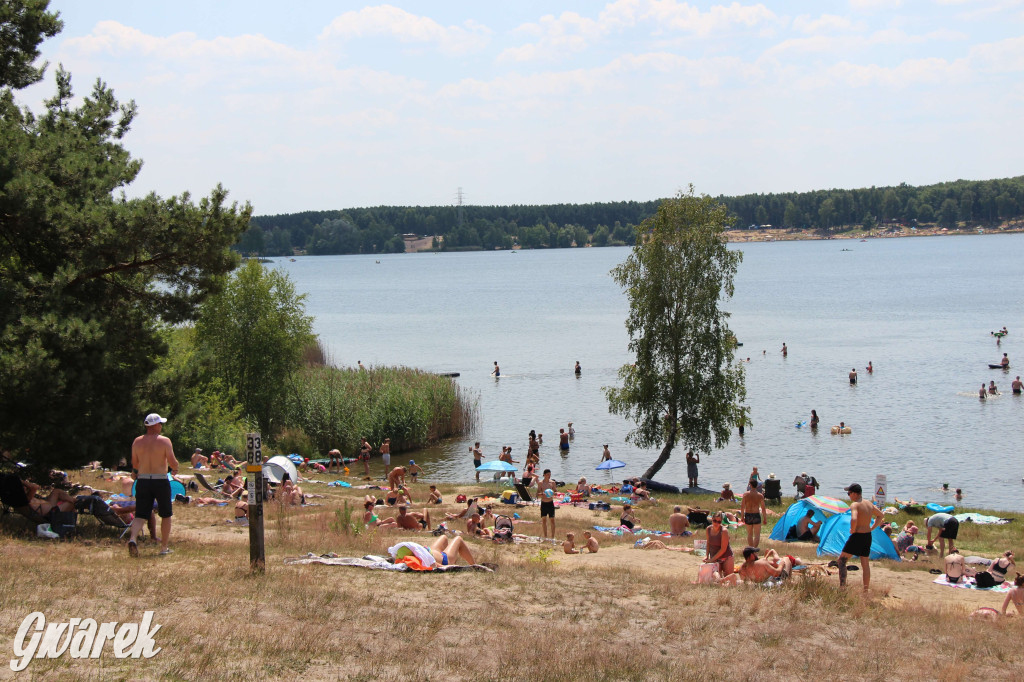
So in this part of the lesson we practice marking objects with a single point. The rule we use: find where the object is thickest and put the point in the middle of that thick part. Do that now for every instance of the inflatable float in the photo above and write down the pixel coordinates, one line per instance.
(844, 431)
(991, 366)
(938, 508)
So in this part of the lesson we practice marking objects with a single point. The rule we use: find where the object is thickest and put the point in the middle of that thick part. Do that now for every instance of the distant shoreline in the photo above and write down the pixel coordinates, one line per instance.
(793, 234)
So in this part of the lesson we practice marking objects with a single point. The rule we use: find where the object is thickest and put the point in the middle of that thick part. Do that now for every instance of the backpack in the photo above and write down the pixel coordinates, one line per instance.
(502, 530)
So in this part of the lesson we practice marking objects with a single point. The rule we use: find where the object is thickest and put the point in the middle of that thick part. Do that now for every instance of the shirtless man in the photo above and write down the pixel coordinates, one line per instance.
(435, 496)
(198, 460)
(396, 479)
(1005, 362)
(982, 392)
(413, 520)
(475, 526)
(232, 486)
(563, 440)
(853, 376)
(864, 518)
(496, 372)
(569, 546)
(477, 458)
(757, 570)
(785, 351)
(754, 513)
(592, 545)
(606, 454)
(807, 528)
(546, 487)
(334, 460)
(1016, 386)
(678, 522)
(152, 455)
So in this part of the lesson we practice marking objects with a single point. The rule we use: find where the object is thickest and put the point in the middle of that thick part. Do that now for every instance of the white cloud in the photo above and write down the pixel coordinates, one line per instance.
(931, 71)
(872, 5)
(387, 20)
(682, 16)
(826, 23)
(1005, 56)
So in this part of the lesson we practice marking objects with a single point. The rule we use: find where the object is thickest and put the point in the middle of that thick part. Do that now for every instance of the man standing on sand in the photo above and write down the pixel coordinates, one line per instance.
(754, 513)
(692, 461)
(152, 456)
(547, 503)
(678, 522)
(864, 518)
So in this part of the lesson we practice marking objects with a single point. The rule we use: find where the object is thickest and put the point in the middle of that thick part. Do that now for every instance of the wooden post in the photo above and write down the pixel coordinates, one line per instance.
(254, 468)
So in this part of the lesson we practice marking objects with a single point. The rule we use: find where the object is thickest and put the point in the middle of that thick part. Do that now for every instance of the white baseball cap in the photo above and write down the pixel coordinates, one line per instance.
(153, 418)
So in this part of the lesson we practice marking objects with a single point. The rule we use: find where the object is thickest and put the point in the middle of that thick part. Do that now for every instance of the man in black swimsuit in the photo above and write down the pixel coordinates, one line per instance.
(754, 513)
(547, 503)
(864, 518)
(1016, 386)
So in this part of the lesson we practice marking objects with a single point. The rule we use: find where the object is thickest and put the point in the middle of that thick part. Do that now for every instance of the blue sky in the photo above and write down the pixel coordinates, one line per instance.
(321, 105)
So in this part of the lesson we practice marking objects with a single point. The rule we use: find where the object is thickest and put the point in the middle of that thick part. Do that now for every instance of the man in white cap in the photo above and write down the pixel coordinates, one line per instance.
(152, 457)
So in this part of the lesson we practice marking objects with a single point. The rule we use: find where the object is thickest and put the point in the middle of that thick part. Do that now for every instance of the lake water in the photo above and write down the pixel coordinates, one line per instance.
(920, 309)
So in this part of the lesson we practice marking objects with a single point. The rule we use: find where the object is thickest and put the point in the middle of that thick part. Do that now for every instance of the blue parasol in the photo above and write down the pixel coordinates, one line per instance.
(496, 465)
(610, 464)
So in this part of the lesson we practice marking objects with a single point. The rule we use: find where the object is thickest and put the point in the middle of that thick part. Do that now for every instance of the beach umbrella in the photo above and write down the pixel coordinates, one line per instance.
(610, 464)
(829, 504)
(496, 465)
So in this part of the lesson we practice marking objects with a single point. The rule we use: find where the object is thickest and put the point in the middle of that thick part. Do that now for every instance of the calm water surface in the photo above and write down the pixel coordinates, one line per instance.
(920, 309)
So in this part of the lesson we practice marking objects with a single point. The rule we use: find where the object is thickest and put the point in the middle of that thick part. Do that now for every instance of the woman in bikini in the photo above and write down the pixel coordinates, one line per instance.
(57, 499)
(628, 520)
(1016, 595)
(719, 550)
(447, 551)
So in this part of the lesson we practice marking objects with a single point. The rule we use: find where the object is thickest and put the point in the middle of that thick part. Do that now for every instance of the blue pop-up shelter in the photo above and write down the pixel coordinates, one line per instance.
(836, 531)
(796, 511)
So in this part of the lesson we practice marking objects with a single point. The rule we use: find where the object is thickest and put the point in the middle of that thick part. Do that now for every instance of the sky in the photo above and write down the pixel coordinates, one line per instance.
(331, 104)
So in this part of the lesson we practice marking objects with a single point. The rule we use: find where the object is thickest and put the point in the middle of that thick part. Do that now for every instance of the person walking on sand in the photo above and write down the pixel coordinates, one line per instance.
(864, 518)
(152, 456)
(692, 460)
(754, 513)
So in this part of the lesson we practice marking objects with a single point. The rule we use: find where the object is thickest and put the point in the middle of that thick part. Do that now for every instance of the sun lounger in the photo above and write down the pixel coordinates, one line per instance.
(524, 494)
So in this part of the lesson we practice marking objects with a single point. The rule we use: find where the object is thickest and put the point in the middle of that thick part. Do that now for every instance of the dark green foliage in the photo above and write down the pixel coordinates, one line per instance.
(87, 277)
(23, 26)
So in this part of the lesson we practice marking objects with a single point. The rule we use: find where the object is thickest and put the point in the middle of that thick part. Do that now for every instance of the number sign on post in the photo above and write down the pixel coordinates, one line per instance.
(254, 468)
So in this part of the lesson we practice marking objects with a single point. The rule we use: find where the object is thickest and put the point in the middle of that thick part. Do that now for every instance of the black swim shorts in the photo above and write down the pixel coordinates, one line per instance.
(547, 509)
(950, 529)
(148, 490)
(859, 544)
(752, 518)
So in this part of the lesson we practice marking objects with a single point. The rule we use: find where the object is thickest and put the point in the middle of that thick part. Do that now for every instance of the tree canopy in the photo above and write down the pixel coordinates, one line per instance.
(87, 276)
(684, 386)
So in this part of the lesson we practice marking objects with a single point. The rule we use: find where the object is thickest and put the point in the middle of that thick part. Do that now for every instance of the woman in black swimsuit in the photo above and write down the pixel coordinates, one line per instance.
(627, 519)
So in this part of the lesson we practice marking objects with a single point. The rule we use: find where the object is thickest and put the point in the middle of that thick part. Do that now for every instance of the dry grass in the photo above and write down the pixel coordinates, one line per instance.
(542, 616)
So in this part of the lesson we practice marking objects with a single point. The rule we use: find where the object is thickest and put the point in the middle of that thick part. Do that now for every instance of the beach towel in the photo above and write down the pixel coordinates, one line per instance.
(622, 530)
(980, 519)
(967, 583)
(376, 563)
(340, 484)
(403, 549)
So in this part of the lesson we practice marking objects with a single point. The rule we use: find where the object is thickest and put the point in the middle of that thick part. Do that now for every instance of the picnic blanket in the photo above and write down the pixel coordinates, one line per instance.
(967, 583)
(622, 530)
(376, 563)
(980, 519)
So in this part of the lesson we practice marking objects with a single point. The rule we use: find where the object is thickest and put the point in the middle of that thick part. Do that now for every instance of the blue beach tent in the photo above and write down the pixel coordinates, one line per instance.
(836, 531)
(796, 511)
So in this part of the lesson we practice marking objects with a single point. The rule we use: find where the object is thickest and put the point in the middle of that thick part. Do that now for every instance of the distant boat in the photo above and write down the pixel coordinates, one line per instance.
(292, 260)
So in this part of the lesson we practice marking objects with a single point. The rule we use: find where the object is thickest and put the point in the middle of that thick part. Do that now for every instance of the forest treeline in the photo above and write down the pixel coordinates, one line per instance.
(380, 229)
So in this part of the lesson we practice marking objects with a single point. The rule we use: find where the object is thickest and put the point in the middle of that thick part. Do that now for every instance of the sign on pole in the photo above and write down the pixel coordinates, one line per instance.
(880, 489)
(254, 468)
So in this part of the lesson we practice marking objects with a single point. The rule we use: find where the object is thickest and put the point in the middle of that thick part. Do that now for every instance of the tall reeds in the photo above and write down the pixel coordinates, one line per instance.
(335, 407)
